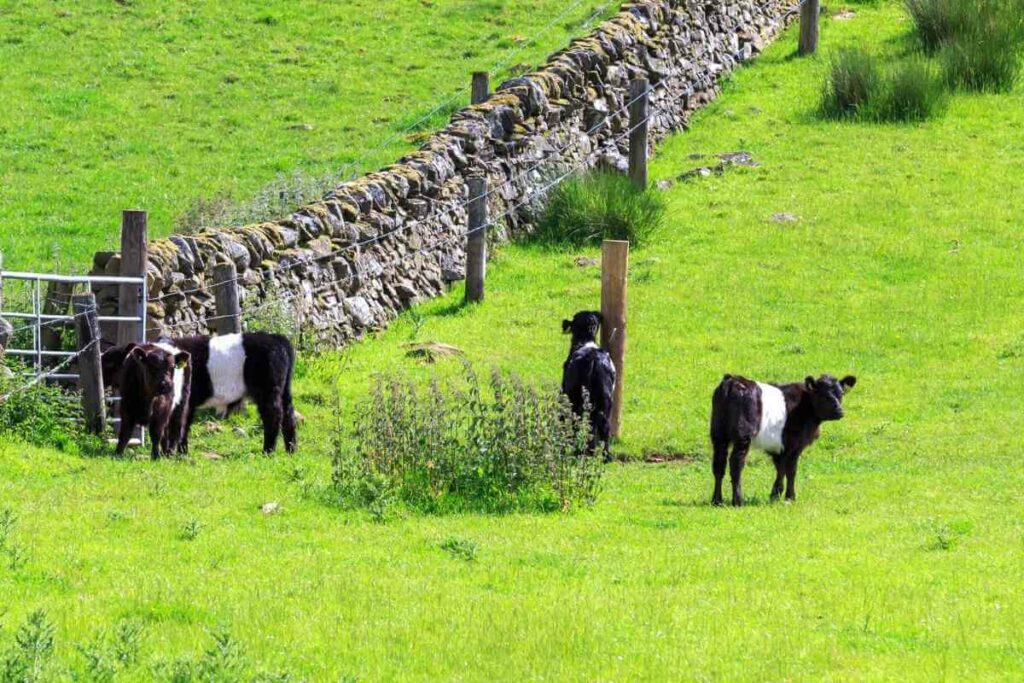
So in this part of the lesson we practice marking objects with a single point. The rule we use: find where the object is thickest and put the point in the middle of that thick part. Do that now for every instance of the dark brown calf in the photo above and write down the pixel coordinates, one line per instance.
(781, 420)
(155, 385)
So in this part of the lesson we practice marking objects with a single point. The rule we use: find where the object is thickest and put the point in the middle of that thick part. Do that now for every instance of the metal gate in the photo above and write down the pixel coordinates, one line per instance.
(46, 321)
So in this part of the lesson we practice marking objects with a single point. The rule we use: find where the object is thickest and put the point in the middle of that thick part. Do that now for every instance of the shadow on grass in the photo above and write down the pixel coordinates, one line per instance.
(705, 502)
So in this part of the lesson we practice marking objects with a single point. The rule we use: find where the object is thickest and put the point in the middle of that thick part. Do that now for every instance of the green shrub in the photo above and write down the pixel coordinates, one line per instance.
(40, 414)
(938, 21)
(600, 205)
(450, 448)
(979, 42)
(858, 88)
(912, 91)
(853, 82)
(987, 56)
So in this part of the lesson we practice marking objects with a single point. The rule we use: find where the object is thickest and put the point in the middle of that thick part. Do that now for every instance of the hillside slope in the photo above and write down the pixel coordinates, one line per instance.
(155, 105)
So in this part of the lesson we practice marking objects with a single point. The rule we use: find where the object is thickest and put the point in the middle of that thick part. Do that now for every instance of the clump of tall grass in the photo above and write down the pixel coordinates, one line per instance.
(597, 206)
(498, 446)
(859, 88)
(979, 42)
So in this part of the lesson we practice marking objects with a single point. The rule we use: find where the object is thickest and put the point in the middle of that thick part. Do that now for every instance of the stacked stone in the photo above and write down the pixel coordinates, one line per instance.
(373, 246)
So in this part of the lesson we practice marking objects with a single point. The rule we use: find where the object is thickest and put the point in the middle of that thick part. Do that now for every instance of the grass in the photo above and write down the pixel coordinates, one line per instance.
(980, 43)
(900, 559)
(857, 87)
(601, 205)
(146, 104)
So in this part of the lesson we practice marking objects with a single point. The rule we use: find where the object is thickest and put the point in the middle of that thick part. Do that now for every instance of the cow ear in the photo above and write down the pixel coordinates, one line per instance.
(566, 324)
(182, 359)
(136, 352)
(809, 383)
(848, 382)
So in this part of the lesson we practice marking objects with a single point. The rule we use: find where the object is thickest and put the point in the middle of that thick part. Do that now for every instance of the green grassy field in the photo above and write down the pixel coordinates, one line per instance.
(144, 104)
(901, 558)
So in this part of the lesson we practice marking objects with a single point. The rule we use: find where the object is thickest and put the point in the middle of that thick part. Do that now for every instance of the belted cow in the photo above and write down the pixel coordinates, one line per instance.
(781, 420)
(225, 371)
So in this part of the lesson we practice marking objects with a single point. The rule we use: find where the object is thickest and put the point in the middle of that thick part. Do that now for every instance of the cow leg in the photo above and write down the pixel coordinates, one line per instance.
(602, 433)
(736, 463)
(184, 424)
(156, 439)
(791, 476)
(124, 434)
(721, 456)
(780, 473)
(172, 437)
(272, 414)
(288, 421)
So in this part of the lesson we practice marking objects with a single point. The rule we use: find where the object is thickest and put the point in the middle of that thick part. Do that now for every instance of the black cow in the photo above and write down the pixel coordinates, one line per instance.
(228, 369)
(155, 384)
(781, 420)
(588, 374)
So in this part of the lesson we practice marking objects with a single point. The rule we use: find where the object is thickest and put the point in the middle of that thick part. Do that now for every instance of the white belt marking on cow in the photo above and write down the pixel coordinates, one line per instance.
(226, 367)
(773, 419)
(179, 373)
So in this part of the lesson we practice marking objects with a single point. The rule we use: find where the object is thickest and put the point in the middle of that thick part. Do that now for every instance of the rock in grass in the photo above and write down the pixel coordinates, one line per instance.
(431, 351)
(784, 218)
(585, 262)
(725, 159)
(270, 508)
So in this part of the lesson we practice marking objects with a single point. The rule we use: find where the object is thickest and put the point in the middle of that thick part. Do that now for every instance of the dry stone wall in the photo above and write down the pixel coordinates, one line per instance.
(373, 246)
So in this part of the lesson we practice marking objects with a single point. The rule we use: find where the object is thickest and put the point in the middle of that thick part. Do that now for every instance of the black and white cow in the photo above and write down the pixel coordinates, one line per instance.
(227, 370)
(781, 420)
(589, 374)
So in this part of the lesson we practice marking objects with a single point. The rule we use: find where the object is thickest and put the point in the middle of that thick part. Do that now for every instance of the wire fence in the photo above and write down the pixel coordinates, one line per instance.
(704, 80)
(532, 196)
(701, 81)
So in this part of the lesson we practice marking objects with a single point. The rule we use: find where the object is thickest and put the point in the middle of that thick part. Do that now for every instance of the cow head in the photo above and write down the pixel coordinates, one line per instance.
(154, 367)
(583, 326)
(826, 395)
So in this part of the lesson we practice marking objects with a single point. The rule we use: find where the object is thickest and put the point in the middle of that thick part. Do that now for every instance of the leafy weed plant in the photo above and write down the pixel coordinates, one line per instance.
(501, 447)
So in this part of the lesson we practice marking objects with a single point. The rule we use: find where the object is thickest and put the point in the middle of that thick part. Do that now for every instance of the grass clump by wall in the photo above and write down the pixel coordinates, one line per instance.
(859, 88)
(600, 205)
(979, 42)
(506, 446)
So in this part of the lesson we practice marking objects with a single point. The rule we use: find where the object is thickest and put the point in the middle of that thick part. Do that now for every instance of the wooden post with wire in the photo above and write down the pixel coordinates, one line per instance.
(639, 124)
(229, 311)
(481, 87)
(90, 364)
(134, 257)
(810, 12)
(476, 239)
(57, 302)
(614, 268)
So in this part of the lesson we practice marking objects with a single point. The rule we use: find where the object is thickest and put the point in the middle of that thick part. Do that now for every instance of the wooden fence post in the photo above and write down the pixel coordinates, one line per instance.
(229, 312)
(481, 87)
(133, 264)
(476, 239)
(57, 302)
(639, 123)
(809, 14)
(614, 267)
(90, 365)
